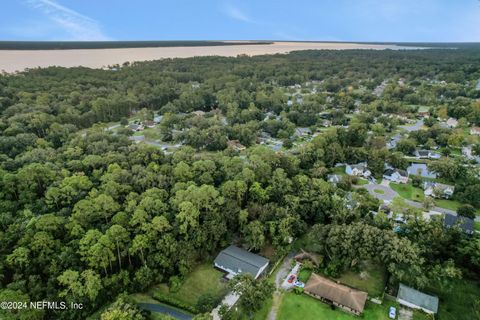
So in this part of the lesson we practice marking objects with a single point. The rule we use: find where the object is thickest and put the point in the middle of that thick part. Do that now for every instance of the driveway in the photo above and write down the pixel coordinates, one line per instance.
(229, 300)
(413, 127)
(388, 193)
(285, 284)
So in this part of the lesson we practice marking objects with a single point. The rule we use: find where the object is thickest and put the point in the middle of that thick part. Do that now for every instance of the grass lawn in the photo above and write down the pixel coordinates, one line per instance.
(371, 278)
(361, 182)
(304, 275)
(260, 314)
(379, 191)
(204, 279)
(477, 225)
(339, 170)
(458, 302)
(303, 307)
(407, 191)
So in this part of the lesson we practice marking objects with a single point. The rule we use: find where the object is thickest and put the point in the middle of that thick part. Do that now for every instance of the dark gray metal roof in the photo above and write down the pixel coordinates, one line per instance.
(240, 260)
(418, 298)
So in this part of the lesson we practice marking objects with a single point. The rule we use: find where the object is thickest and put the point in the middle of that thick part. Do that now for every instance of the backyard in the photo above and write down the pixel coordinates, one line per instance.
(204, 279)
(407, 191)
(371, 278)
(302, 307)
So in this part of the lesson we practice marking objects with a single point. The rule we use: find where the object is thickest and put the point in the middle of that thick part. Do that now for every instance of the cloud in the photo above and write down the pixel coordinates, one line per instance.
(236, 13)
(78, 26)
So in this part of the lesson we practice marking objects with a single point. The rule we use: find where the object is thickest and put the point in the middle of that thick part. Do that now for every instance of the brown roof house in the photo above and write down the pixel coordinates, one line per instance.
(328, 291)
(236, 145)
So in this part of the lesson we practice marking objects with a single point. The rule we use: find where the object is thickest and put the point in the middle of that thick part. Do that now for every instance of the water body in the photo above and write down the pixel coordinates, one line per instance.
(164, 309)
(19, 60)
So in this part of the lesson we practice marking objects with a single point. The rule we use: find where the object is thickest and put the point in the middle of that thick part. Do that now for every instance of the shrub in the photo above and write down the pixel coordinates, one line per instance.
(174, 302)
(206, 302)
(174, 284)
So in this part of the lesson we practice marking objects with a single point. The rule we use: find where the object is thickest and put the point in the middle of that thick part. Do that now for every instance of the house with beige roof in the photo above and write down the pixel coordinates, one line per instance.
(336, 294)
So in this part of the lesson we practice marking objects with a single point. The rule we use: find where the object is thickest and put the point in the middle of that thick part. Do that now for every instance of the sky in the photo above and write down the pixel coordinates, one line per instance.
(320, 20)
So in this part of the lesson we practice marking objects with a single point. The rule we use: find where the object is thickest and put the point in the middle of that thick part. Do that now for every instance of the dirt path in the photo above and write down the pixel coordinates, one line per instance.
(279, 277)
(277, 300)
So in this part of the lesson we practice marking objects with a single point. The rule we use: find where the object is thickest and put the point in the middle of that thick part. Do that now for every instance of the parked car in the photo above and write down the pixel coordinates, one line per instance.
(291, 278)
(299, 284)
(392, 313)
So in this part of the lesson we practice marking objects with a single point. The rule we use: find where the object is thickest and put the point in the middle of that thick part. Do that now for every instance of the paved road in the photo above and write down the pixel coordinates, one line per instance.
(164, 309)
(413, 127)
(389, 194)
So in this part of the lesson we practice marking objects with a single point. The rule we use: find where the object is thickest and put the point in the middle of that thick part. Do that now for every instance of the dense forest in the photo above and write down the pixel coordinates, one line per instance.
(86, 214)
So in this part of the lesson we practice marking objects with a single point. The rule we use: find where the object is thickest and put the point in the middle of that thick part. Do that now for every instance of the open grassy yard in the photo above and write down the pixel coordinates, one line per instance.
(339, 170)
(203, 279)
(459, 301)
(477, 225)
(371, 278)
(408, 191)
(303, 307)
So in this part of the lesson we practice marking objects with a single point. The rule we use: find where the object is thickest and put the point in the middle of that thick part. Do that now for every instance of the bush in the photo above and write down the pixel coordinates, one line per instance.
(298, 290)
(174, 302)
(466, 210)
(174, 284)
(206, 302)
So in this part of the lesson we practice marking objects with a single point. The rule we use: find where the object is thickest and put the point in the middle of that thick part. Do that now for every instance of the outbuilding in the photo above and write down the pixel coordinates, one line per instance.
(415, 299)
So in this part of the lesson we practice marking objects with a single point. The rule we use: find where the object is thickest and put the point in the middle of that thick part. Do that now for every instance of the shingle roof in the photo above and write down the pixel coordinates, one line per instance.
(418, 298)
(466, 224)
(240, 260)
(336, 292)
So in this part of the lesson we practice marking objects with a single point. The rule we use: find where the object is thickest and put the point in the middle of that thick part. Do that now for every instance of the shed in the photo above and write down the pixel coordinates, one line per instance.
(418, 300)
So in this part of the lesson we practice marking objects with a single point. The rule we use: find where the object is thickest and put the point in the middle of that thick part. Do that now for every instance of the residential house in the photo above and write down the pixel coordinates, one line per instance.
(464, 223)
(198, 113)
(236, 145)
(438, 190)
(415, 299)
(468, 153)
(423, 114)
(393, 141)
(427, 154)
(475, 131)
(149, 124)
(135, 127)
(359, 170)
(420, 169)
(235, 260)
(396, 175)
(333, 293)
(334, 178)
(452, 122)
(302, 132)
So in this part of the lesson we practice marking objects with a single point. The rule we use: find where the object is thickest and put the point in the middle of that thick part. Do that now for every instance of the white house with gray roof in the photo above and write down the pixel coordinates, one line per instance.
(235, 260)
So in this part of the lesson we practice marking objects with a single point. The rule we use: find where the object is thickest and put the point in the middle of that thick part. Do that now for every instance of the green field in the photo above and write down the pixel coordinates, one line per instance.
(303, 307)
(204, 279)
(458, 300)
(407, 191)
(371, 278)
(477, 225)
